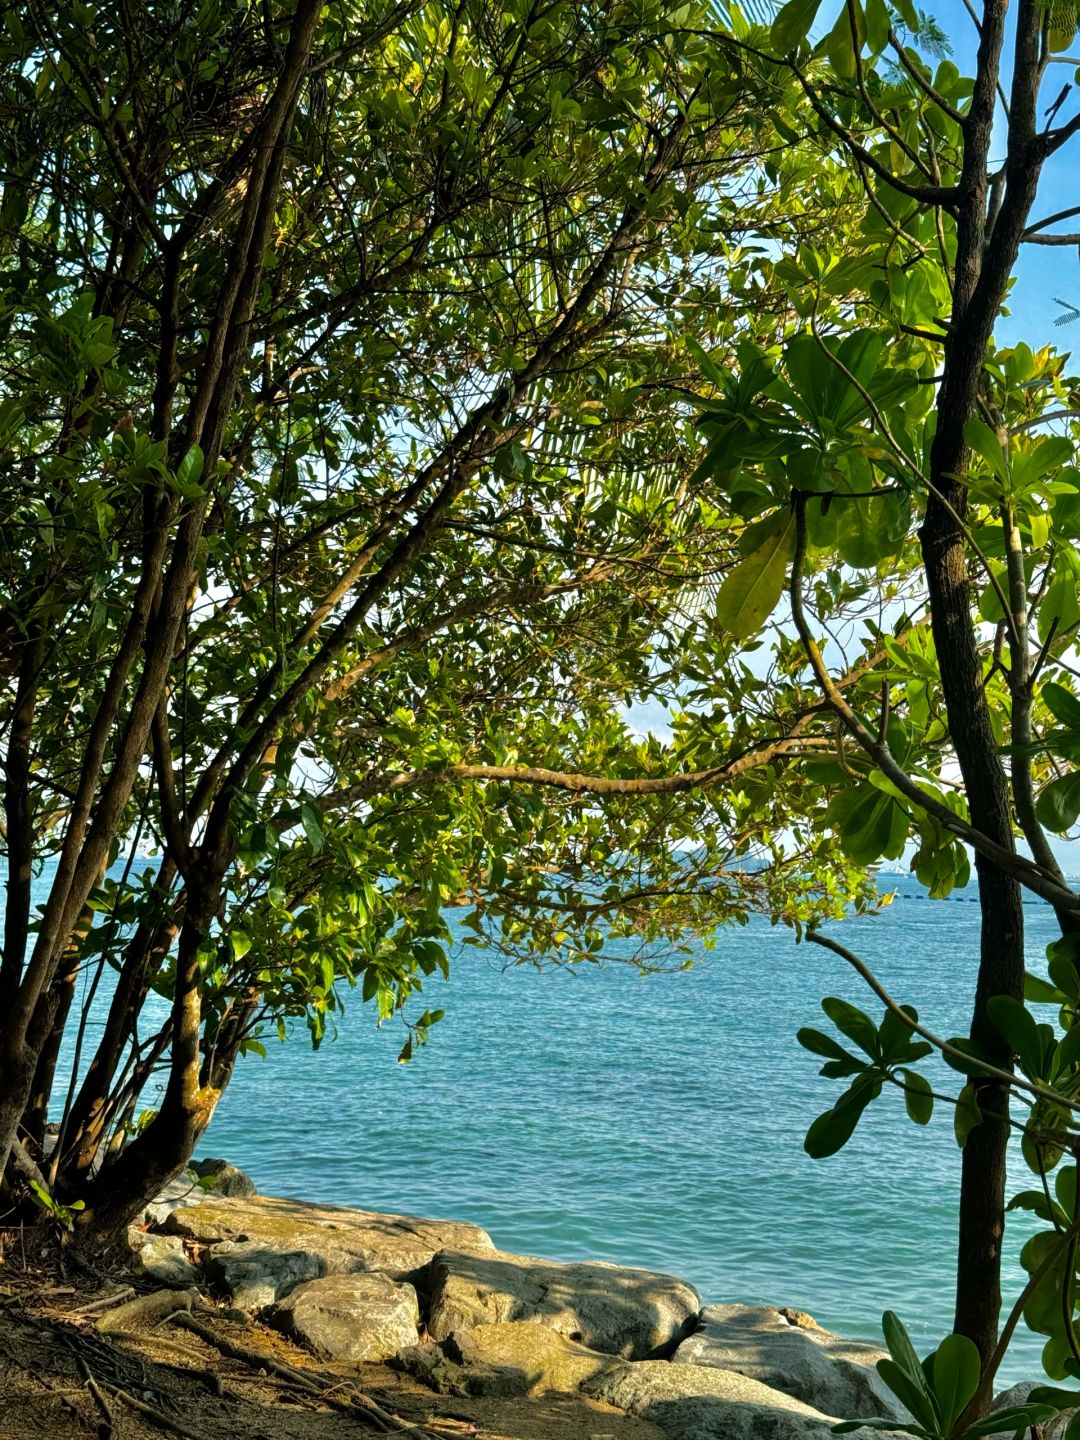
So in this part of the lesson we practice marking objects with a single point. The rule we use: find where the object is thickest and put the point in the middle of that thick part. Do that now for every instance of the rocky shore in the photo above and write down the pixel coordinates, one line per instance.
(435, 1300)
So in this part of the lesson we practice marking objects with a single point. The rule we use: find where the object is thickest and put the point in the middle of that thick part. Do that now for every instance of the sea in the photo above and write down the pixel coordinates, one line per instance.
(652, 1120)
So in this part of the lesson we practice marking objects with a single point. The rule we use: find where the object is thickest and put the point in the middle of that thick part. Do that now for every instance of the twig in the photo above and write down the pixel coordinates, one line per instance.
(108, 1425)
(153, 1413)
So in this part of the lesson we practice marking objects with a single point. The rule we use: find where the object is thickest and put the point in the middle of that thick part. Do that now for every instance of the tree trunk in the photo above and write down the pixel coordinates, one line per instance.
(155, 1157)
(90, 1110)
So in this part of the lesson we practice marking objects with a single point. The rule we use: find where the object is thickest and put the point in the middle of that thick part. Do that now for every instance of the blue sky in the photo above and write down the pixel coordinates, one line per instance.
(1043, 271)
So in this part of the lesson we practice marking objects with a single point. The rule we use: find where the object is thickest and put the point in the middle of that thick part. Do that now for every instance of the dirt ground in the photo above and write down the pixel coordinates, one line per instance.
(61, 1378)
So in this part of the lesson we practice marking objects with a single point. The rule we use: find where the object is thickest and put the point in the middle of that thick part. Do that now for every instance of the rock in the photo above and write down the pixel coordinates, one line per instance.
(258, 1232)
(1016, 1395)
(229, 1179)
(162, 1258)
(789, 1351)
(609, 1308)
(430, 1364)
(699, 1402)
(1020, 1394)
(147, 1311)
(366, 1316)
(182, 1191)
(254, 1274)
(523, 1357)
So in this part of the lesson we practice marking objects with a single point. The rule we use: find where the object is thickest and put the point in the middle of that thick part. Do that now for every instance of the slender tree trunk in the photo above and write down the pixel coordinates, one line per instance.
(986, 251)
(90, 1110)
(153, 1158)
(61, 994)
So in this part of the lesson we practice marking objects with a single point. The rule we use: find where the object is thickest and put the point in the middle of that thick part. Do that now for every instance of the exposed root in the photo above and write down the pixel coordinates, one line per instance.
(355, 1403)
(108, 1424)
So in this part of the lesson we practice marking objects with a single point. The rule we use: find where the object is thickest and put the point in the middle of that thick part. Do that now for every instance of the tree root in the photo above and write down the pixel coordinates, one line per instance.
(356, 1403)
(104, 1301)
(108, 1423)
(166, 1422)
(253, 1359)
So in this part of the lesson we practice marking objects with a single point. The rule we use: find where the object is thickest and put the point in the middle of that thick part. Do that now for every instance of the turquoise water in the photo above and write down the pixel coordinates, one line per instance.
(655, 1121)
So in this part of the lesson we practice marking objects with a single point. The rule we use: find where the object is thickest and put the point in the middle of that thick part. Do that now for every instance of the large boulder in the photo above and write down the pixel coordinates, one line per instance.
(260, 1247)
(334, 1240)
(225, 1178)
(523, 1357)
(698, 1402)
(618, 1311)
(161, 1258)
(789, 1351)
(254, 1275)
(364, 1316)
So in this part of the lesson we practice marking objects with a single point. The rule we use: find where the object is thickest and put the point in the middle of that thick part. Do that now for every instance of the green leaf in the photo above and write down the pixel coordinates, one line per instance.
(1067, 1053)
(852, 1022)
(1018, 1026)
(839, 45)
(984, 441)
(1058, 805)
(956, 1377)
(1062, 704)
(971, 1048)
(894, 1037)
(898, 1343)
(912, 1393)
(1063, 963)
(1051, 1395)
(709, 367)
(871, 529)
(1038, 991)
(918, 1096)
(831, 1131)
(1057, 1357)
(819, 1043)
(751, 591)
(312, 823)
(1038, 1204)
(877, 25)
(1013, 1421)
(1059, 607)
(240, 942)
(792, 25)
(1043, 1310)
(189, 473)
(967, 1114)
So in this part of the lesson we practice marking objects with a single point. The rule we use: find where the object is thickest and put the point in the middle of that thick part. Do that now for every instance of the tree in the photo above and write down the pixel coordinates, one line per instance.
(343, 504)
(908, 487)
